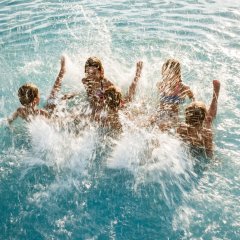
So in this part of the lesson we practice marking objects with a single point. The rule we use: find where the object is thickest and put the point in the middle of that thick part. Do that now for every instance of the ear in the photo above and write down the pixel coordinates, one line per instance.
(35, 101)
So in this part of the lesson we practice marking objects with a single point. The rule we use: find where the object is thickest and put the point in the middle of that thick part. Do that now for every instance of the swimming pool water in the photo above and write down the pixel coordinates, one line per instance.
(56, 185)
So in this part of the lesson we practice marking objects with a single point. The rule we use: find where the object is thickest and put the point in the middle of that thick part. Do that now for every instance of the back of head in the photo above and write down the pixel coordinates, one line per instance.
(113, 97)
(27, 93)
(195, 113)
(94, 62)
(170, 68)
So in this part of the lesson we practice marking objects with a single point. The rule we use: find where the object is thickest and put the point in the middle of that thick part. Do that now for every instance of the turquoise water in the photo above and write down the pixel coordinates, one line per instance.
(56, 185)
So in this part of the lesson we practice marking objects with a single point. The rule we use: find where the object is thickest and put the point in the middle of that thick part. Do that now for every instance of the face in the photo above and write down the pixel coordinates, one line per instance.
(93, 71)
(195, 115)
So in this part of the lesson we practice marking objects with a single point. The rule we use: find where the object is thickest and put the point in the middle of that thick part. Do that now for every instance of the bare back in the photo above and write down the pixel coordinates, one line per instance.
(26, 114)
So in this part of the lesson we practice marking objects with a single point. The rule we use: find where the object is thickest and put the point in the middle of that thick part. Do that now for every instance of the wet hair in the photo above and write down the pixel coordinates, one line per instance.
(94, 62)
(113, 97)
(195, 113)
(172, 67)
(27, 93)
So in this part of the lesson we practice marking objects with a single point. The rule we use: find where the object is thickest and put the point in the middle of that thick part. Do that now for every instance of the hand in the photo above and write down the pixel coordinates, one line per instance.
(216, 89)
(4, 122)
(216, 86)
(139, 68)
(63, 65)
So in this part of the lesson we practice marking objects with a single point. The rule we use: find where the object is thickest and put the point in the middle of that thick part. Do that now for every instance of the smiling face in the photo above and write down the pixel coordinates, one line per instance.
(94, 68)
(92, 72)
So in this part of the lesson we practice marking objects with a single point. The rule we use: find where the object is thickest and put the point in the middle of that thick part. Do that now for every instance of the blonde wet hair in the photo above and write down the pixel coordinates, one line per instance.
(113, 97)
(27, 93)
(195, 113)
(94, 62)
(172, 67)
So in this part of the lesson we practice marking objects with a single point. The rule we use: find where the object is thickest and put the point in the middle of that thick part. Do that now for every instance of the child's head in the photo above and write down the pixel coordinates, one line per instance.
(113, 97)
(94, 66)
(195, 113)
(28, 94)
(171, 68)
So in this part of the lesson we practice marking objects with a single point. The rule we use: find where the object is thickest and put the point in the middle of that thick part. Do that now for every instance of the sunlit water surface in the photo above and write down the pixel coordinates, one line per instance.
(144, 184)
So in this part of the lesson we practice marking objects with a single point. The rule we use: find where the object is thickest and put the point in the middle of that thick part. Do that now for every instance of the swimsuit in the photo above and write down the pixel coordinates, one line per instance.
(99, 93)
(173, 98)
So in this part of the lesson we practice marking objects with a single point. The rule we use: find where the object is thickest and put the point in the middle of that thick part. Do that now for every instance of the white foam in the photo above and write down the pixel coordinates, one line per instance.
(149, 152)
(60, 148)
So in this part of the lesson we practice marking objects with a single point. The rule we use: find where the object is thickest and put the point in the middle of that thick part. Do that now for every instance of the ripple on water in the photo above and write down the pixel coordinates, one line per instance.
(56, 184)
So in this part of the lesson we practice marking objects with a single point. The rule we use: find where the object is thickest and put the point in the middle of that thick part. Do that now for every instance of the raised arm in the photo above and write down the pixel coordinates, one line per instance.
(57, 86)
(212, 111)
(58, 82)
(132, 88)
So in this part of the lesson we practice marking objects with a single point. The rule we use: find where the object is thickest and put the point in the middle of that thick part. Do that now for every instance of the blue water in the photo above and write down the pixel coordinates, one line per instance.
(56, 185)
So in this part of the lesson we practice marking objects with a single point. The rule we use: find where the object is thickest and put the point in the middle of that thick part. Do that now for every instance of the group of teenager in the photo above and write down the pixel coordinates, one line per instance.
(106, 101)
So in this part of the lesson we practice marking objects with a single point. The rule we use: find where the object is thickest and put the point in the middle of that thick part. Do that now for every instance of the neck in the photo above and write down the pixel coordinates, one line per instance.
(31, 106)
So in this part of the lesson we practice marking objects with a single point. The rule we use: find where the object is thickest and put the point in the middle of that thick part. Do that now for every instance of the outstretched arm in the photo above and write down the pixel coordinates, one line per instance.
(69, 96)
(132, 89)
(212, 111)
(13, 117)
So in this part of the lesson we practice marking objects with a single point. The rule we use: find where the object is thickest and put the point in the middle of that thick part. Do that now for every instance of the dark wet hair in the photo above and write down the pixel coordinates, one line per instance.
(94, 62)
(27, 93)
(195, 113)
(113, 97)
(172, 66)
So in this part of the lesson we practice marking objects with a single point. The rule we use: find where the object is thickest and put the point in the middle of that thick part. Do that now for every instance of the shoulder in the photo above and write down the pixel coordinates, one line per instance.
(43, 113)
(107, 82)
(184, 87)
(187, 91)
(183, 125)
(21, 112)
(208, 122)
(21, 109)
(182, 128)
(207, 132)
